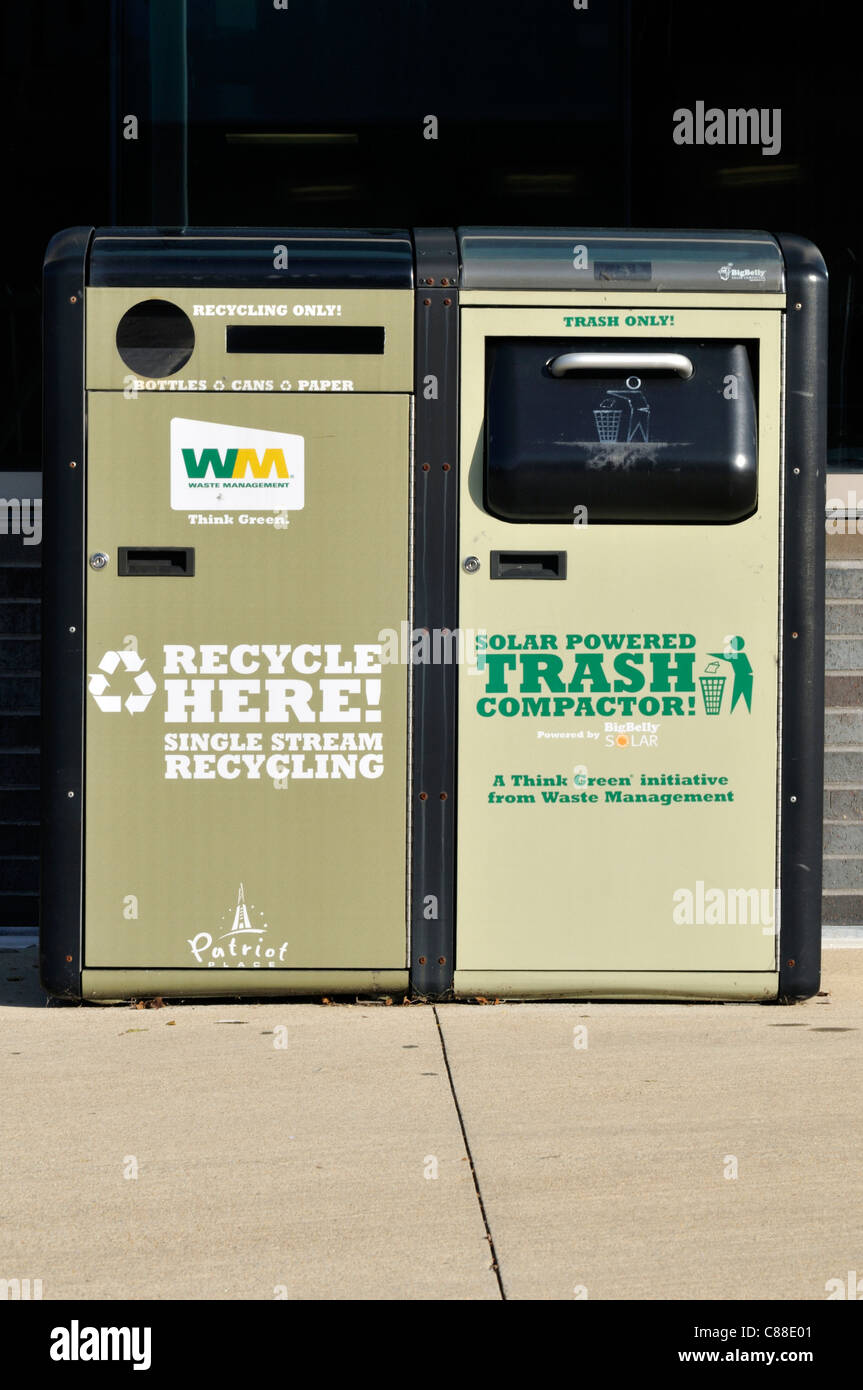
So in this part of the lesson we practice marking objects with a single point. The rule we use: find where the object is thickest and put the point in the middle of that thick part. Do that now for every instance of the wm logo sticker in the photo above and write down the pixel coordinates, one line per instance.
(234, 468)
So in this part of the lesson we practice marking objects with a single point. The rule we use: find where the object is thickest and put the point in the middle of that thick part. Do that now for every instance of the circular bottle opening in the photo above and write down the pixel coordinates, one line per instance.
(155, 338)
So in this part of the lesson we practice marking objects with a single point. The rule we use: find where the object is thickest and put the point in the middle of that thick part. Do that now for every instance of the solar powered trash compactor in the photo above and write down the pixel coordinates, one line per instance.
(641, 545)
(228, 427)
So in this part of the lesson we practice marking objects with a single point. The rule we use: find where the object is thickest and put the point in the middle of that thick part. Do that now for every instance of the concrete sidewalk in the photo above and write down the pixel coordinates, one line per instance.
(308, 1168)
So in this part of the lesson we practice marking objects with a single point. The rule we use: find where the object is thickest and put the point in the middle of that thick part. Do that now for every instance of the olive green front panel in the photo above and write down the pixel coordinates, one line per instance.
(619, 816)
(247, 809)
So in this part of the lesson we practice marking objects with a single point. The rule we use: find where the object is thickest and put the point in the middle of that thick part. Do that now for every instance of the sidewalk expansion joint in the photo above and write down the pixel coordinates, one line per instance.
(488, 1235)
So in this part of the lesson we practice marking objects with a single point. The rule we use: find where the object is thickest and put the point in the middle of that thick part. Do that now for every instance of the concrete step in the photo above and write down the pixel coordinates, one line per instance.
(19, 769)
(19, 805)
(844, 690)
(843, 727)
(844, 580)
(843, 805)
(20, 731)
(19, 839)
(20, 581)
(846, 768)
(843, 839)
(19, 909)
(19, 692)
(20, 655)
(841, 909)
(845, 874)
(844, 619)
(844, 654)
(19, 873)
(21, 617)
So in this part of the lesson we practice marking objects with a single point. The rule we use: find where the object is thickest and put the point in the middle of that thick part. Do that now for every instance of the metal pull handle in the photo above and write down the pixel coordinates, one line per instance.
(622, 362)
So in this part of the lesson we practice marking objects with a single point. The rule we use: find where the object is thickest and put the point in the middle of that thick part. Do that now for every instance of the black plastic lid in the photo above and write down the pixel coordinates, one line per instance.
(601, 259)
(216, 258)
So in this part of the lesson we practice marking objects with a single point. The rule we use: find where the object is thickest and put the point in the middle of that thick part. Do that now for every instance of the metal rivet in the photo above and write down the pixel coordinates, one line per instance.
(796, 470)
(70, 793)
(69, 960)
(445, 467)
(441, 960)
(73, 464)
(424, 796)
(422, 960)
(443, 796)
(798, 306)
(426, 302)
(471, 564)
(791, 962)
(794, 634)
(447, 303)
(73, 629)
(793, 798)
(426, 467)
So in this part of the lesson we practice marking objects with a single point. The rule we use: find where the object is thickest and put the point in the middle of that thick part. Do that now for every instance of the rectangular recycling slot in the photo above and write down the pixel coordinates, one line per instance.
(528, 564)
(348, 339)
(160, 561)
(632, 430)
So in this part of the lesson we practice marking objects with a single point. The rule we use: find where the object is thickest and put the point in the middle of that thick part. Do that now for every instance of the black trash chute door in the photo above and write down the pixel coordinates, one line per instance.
(635, 431)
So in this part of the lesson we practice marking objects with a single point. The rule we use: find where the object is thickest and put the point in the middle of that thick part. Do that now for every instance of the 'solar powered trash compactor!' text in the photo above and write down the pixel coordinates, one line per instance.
(433, 612)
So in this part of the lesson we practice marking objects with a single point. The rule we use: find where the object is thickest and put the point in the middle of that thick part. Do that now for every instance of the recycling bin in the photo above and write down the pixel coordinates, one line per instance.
(642, 448)
(227, 497)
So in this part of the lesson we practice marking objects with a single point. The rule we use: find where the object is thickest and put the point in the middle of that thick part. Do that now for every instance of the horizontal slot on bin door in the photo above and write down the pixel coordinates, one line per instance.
(348, 340)
(156, 560)
(528, 564)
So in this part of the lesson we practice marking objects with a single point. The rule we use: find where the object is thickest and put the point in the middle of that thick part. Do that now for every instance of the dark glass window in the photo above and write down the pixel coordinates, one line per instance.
(315, 116)
(318, 113)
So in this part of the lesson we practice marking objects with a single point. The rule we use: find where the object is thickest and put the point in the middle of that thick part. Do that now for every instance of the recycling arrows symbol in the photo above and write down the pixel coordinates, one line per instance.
(112, 704)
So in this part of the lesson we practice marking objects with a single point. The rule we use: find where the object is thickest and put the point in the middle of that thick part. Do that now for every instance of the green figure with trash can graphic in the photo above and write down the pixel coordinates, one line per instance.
(713, 685)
